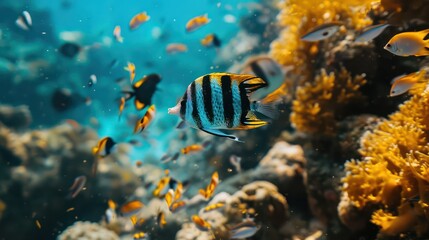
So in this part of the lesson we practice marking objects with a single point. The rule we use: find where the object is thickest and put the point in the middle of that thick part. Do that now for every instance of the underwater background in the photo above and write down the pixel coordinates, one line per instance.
(345, 156)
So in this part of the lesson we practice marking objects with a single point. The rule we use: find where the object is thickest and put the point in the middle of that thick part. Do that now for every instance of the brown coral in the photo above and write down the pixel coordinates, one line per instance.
(319, 104)
(392, 179)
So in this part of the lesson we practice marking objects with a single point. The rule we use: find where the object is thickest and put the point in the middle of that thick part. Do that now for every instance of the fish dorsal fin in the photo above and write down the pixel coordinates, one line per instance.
(424, 34)
(253, 83)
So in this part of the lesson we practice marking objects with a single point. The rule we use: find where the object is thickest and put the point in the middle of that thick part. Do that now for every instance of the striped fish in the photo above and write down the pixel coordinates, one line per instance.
(221, 101)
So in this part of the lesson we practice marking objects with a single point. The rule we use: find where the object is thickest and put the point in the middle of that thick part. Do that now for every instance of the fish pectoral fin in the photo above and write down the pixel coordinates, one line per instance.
(219, 133)
(139, 105)
(181, 125)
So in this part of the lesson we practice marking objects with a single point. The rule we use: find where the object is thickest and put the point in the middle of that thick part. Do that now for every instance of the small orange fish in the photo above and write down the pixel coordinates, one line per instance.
(104, 147)
(39, 226)
(201, 224)
(139, 236)
(77, 186)
(208, 192)
(131, 68)
(145, 120)
(121, 107)
(111, 204)
(160, 219)
(139, 163)
(169, 197)
(213, 206)
(70, 209)
(73, 123)
(131, 208)
(192, 148)
(211, 40)
(138, 19)
(176, 48)
(197, 22)
(161, 186)
(403, 83)
(177, 206)
(178, 192)
(117, 34)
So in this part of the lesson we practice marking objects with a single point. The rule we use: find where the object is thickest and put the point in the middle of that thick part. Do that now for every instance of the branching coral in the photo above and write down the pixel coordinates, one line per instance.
(299, 16)
(318, 104)
(393, 178)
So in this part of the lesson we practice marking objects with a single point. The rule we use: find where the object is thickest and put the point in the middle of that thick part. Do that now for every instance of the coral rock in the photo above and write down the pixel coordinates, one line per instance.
(88, 231)
(15, 117)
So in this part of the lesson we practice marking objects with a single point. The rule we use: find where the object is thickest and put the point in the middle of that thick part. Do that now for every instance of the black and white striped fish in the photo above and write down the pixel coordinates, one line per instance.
(24, 21)
(221, 101)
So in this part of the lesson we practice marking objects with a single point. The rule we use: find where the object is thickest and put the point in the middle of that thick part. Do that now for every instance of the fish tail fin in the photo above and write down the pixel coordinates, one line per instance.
(267, 109)
(424, 35)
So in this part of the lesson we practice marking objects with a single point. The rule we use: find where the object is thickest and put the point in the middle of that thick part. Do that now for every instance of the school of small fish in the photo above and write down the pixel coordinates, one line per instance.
(213, 103)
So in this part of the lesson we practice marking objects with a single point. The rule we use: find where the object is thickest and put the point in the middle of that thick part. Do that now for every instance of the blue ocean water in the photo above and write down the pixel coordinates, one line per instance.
(145, 47)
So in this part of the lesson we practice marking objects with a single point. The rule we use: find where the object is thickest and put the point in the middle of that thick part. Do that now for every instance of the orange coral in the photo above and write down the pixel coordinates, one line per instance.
(318, 104)
(394, 174)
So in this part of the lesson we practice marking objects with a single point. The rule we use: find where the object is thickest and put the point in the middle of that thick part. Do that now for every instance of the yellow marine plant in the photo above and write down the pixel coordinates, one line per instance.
(318, 104)
(392, 180)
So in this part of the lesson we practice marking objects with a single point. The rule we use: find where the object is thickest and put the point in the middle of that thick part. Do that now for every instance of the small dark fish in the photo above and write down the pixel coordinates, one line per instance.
(371, 32)
(64, 99)
(70, 50)
(24, 21)
(77, 186)
(322, 32)
(114, 63)
(143, 91)
(168, 157)
(120, 79)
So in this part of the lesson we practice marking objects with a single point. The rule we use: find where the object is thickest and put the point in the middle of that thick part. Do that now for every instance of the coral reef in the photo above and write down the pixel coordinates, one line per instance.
(391, 181)
(15, 117)
(320, 104)
(87, 230)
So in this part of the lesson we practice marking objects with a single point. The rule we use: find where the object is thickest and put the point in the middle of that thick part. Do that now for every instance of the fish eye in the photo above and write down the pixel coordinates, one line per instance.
(388, 46)
(325, 33)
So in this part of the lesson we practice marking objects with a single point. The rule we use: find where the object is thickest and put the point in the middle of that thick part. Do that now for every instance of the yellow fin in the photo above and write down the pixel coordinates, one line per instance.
(139, 105)
(423, 33)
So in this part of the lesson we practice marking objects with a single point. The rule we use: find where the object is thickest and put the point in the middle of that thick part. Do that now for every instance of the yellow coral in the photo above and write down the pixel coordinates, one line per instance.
(299, 16)
(394, 174)
(318, 104)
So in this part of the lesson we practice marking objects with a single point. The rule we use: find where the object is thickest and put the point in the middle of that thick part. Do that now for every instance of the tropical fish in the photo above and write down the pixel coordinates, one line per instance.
(160, 219)
(113, 63)
(409, 44)
(213, 206)
(70, 209)
(177, 206)
(208, 192)
(167, 157)
(245, 229)
(24, 21)
(39, 226)
(77, 186)
(104, 147)
(178, 191)
(192, 148)
(176, 48)
(139, 163)
(145, 120)
(117, 34)
(236, 162)
(92, 80)
(221, 101)
(131, 208)
(197, 22)
(321, 32)
(138, 19)
(403, 83)
(269, 70)
(201, 224)
(169, 197)
(121, 107)
(131, 68)
(71, 49)
(139, 236)
(143, 90)
(211, 40)
(110, 213)
(371, 32)
(162, 186)
(64, 99)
